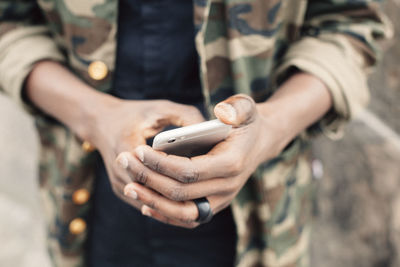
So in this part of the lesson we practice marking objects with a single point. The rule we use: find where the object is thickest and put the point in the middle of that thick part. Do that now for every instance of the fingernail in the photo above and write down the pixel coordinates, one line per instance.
(130, 192)
(139, 153)
(122, 160)
(228, 111)
(146, 211)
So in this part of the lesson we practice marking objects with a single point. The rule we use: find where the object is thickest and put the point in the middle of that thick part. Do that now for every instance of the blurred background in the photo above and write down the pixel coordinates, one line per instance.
(357, 208)
(357, 212)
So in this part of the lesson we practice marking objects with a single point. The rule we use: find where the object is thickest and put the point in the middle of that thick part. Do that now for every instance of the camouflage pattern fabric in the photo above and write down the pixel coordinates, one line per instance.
(245, 46)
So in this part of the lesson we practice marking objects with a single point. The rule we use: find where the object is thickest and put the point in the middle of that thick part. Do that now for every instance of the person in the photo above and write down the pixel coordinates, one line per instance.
(109, 75)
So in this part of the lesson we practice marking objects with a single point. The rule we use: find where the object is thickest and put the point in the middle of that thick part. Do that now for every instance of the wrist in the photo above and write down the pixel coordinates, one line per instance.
(299, 102)
(93, 109)
(275, 128)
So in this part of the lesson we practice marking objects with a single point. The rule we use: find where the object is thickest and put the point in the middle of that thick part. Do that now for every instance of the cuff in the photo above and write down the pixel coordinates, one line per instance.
(20, 49)
(335, 62)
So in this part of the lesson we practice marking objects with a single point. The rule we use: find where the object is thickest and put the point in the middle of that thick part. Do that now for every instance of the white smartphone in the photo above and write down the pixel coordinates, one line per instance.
(192, 140)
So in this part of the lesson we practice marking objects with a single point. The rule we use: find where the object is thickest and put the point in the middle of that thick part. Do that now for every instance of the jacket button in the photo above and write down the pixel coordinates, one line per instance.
(87, 147)
(77, 226)
(97, 70)
(80, 196)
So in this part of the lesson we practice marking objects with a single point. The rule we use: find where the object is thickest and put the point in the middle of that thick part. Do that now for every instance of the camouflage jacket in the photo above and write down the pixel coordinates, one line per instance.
(245, 46)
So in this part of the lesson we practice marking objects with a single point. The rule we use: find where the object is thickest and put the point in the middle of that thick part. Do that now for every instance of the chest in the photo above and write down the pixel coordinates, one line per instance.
(87, 30)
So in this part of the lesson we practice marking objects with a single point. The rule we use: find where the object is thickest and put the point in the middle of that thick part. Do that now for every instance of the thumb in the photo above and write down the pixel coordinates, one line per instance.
(237, 110)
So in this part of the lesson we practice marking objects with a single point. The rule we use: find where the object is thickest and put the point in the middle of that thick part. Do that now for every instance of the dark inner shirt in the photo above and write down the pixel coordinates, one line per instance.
(156, 58)
(156, 52)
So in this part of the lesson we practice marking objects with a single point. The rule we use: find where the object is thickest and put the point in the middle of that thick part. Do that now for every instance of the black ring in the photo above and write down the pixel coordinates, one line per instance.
(205, 212)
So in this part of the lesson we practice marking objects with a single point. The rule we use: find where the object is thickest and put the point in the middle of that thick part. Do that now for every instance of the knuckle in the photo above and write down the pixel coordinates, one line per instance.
(187, 217)
(152, 204)
(158, 167)
(177, 193)
(163, 219)
(235, 167)
(167, 102)
(164, 103)
(228, 187)
(232, 185)
(246, 97)
(141, 176)
(189, 176)
(194, 111)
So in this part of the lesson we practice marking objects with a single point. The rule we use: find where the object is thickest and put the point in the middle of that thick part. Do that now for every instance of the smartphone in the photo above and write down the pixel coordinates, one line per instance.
(193, 140)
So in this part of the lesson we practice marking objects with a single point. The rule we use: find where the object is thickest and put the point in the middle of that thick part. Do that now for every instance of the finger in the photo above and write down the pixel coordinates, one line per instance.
(121, 178)
(180, 168)
(237, 110)
(164, 185)
(141, 174)
(173, 189)
(184, 212)
(147, 211)
(182, 115)
(118, 189)
(228, 162)
(120, 165)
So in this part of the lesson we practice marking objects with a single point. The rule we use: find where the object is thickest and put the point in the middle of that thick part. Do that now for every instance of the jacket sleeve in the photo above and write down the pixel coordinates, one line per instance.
(24, 40)
(338, 44)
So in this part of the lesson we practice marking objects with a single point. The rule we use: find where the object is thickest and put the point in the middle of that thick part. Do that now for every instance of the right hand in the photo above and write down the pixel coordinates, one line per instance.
(110, 124)
(122, 125)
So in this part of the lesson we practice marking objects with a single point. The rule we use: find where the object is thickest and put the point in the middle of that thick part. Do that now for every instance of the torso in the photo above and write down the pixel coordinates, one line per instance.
(156, 59)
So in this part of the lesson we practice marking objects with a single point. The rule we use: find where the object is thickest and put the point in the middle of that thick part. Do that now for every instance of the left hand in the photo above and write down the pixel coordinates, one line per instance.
(166, 184)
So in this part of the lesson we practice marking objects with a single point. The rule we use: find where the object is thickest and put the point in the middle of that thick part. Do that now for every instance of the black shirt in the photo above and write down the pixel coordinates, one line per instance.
(156, 55)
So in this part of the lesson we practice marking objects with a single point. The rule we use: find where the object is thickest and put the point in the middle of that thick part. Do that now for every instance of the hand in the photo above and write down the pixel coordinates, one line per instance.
(218, 175)
(113, 125)
(122, 125)
(110, 124)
